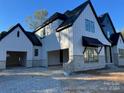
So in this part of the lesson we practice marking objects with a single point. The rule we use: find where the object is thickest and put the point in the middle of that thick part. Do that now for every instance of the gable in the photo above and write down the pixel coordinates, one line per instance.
(18, 29)
(71, 16)
(12, 42)
(79, 25)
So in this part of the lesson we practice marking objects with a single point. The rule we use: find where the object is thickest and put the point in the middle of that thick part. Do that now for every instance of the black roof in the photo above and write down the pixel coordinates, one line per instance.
(114, 38)
(102, 18)
(88, 41)
(2, 34)
(52, 18)
(72, 16)
(31, 36)
(68, 17)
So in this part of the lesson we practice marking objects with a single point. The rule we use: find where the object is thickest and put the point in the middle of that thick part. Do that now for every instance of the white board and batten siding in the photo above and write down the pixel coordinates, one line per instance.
(51, 41)
(79, 31)
(13, 43)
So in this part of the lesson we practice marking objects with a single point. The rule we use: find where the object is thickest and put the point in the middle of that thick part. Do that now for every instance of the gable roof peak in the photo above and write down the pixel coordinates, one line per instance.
(72, 16)
(31, 36)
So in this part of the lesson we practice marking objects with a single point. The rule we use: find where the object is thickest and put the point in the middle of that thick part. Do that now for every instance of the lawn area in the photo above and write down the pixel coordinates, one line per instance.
(41, 80)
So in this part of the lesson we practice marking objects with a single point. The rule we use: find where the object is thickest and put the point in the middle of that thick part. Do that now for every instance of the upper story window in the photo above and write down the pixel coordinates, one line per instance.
(89, 26)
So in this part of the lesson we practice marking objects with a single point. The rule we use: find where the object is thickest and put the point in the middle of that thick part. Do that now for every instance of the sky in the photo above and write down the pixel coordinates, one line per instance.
(15, 11)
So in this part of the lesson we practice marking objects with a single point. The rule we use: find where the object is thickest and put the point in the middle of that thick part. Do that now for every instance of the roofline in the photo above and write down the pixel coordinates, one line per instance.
(58, 30)
(55, 19)
(98, 21)
(40, 27)
(111, 22)
(93, 10)
(12, 29)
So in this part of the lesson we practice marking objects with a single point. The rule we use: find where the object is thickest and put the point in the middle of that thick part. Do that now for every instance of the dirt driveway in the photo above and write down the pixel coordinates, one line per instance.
(41, 80)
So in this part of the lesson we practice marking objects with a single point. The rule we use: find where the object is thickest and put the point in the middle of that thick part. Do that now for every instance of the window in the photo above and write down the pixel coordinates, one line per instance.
(36, 52)
(91, 55)
(18, 34)
(89, 25)
(121, 53)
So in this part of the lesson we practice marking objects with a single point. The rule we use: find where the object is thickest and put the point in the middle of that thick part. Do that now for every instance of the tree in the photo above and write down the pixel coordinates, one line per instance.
(36, 19)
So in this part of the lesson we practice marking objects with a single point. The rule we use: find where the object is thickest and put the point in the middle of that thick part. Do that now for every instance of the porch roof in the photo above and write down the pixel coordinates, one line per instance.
(88, 41)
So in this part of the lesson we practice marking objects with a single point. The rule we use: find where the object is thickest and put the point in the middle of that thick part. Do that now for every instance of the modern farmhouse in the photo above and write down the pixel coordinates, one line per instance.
(76, 40)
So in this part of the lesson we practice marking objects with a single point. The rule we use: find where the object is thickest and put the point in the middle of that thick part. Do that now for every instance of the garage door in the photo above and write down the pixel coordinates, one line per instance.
(15, 58)
(54, 58)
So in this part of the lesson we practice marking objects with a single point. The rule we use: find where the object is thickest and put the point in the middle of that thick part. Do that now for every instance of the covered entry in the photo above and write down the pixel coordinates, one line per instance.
(58, 57)
(15, 58)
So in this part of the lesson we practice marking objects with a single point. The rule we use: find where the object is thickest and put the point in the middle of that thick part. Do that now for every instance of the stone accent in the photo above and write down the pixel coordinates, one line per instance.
(77, 64)
(37, 63)
(28, 63)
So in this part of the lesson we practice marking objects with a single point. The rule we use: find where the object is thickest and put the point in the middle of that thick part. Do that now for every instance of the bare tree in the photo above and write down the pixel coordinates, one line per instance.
(36, 19)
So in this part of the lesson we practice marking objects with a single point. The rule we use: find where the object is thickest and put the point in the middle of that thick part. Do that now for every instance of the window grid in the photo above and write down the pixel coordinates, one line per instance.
(89, 25)
(91, 55)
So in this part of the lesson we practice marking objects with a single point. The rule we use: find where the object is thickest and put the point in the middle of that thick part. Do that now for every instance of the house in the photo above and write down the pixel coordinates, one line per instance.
(74, 40)
(19, 47)
(115, 52)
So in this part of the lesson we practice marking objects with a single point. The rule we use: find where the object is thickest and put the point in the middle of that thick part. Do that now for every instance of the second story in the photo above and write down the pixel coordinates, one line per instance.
(50, 25)
(79, 22)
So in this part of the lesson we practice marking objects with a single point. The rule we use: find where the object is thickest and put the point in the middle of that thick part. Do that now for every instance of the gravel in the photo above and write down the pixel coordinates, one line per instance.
(41, 80)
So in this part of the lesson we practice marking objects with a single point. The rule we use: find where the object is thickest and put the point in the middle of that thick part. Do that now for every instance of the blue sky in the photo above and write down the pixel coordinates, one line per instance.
(15, 11)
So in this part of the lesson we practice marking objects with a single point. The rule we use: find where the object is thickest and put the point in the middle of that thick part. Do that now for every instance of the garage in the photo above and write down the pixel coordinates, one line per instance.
(54, 58)
(58, 57)
(15, 58)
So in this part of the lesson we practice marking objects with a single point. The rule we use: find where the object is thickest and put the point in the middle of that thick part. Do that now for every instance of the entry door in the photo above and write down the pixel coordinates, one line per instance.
(15, 58)
(108, 56)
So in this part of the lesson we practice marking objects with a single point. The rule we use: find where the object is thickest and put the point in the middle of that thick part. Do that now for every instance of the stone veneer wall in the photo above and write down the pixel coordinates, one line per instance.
(77, 64)
(28, 63)
(37, 63)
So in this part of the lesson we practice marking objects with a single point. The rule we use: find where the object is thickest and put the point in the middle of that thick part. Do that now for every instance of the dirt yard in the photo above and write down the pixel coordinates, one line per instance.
(41, 80)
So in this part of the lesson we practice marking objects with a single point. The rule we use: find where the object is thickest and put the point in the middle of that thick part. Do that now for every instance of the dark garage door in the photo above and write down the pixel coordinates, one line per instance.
(15, 58)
